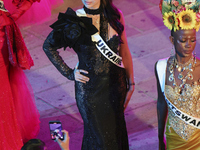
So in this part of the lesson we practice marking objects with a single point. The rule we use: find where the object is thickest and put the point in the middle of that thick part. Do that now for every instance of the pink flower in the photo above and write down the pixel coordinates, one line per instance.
(180, 9)
(198, 16)
(175, 3)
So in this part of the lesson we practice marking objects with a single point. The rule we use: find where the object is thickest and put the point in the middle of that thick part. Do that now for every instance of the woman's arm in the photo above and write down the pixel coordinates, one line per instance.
(21, 9)
(127, 61)
(161, 114)
(50, 48)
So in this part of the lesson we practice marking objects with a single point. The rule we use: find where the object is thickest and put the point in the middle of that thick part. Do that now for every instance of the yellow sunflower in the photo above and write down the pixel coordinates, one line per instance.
(168, 19)
(197, 26)
(187, 19)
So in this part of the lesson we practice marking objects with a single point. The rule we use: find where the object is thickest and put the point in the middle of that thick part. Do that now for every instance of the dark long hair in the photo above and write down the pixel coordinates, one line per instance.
(34, 144)
(113, 16)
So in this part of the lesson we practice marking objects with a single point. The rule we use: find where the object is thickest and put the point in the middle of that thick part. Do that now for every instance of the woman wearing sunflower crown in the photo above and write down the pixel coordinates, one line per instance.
(178, 78)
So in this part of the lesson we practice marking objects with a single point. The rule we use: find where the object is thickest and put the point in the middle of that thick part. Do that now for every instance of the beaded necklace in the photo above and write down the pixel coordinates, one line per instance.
(185, 97)
(188, 66)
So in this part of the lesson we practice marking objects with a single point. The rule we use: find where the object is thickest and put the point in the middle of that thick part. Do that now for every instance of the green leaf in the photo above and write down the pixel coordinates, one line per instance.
(180, 2)
(196, 7)
(173, 8)
(197, 3)
(165, 8)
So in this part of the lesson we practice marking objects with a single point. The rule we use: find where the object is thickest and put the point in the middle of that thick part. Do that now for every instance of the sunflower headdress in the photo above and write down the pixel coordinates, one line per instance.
(181, 14)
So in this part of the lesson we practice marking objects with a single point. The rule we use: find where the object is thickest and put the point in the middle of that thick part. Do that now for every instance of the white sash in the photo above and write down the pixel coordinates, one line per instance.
(161, 71)
(102, 46)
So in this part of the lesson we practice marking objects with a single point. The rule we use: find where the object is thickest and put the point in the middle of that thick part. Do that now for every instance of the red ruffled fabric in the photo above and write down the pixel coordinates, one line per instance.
(38, 13)
(19, 2)
(5, 19)
(18, 113)
(18, 52)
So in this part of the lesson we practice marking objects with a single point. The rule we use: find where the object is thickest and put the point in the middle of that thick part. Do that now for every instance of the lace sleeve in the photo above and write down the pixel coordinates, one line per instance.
(50, 48)
(68, 31)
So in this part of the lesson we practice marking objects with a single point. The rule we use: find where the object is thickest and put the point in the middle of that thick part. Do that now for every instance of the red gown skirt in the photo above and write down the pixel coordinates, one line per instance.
(19, 117)
(38, 13)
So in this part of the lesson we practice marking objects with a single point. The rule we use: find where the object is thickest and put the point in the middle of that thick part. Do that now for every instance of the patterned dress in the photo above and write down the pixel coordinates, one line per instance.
(179, 134)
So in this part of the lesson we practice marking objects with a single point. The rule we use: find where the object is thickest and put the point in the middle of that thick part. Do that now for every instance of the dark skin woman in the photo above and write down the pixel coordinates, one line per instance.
(184, 42)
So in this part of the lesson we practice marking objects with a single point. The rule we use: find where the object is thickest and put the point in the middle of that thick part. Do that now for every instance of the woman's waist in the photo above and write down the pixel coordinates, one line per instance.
(5, 19)
(104, 78)
(106, 73)
(100, 67)
(179, 126)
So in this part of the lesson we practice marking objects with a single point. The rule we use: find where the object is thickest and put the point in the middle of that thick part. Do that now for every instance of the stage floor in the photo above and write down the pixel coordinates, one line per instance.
(148, 41)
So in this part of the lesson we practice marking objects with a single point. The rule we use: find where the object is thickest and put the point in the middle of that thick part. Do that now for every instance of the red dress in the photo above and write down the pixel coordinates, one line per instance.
(19, 118)
(38, 13)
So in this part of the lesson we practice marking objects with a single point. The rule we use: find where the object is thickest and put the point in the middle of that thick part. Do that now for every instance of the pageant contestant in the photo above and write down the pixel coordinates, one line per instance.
(96, 33)
(19, 118)
(178, 79)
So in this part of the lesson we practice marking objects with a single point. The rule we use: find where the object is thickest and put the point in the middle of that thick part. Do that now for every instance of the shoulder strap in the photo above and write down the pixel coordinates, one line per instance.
(161, 71)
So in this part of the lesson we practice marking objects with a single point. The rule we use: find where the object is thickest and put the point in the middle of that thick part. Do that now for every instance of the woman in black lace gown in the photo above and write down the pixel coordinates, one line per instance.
(102, 88)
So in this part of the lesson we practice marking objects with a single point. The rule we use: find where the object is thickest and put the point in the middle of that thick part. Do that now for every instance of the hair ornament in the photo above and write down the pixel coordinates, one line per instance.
(181, 14)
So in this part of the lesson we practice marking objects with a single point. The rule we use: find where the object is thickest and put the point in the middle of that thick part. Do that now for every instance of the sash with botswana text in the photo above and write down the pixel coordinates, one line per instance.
(161, 70)
(102, 46)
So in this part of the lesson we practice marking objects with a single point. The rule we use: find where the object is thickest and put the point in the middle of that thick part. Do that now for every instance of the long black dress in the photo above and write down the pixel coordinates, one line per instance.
(100, 101)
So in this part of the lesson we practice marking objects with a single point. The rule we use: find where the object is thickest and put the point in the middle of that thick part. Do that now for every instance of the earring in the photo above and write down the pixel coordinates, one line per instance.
(195, 57)
(172, 51)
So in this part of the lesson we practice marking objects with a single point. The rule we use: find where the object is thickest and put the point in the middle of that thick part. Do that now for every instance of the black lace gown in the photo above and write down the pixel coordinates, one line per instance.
(100, 101)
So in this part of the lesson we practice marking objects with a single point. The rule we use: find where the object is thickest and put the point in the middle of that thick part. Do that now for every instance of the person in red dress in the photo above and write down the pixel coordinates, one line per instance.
(19, 117)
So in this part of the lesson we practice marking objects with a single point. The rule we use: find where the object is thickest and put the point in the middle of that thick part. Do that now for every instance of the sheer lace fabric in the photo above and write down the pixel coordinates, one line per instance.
(100, 101)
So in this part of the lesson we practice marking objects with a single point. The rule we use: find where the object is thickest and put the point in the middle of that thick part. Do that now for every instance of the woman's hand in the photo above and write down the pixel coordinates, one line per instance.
(21, 10)
(78, 76)
(64, 145)
(128, 95)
